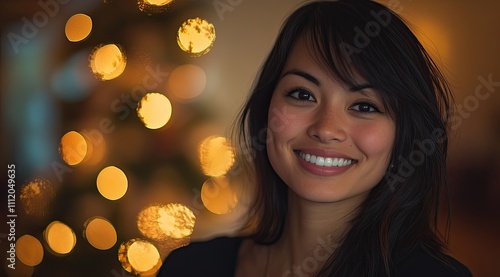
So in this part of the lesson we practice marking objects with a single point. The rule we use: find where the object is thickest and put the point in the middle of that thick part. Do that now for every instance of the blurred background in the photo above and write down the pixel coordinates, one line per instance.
(116, 117)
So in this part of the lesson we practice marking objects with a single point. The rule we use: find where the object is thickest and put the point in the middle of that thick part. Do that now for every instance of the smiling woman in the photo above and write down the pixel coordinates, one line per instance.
(327, 122)
(340, 115)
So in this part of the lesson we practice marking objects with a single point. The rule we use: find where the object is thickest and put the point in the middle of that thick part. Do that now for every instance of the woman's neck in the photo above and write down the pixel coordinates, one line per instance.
(311, 233)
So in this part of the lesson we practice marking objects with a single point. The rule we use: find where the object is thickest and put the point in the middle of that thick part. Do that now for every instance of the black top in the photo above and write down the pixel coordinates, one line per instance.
(217, 258)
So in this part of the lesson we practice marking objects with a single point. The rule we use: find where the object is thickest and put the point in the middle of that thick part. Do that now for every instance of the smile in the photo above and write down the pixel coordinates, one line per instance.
(325, 161)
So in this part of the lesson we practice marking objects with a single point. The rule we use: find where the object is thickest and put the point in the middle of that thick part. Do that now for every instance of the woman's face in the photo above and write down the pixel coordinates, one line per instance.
(328, 142)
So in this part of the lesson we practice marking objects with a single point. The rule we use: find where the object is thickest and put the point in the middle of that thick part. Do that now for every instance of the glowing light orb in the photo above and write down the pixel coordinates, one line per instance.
(36, 197)
(100, 233)
(107, 61)
(187, 81)
(78, 27)
(73, 148)
(161, 222)
(218, 196)
(216, 156)
(96, 148)
(196, 36)
(29, 250)
(154, 6)
(139, 257)
(112, 183)
(154, 110)
(60, 237)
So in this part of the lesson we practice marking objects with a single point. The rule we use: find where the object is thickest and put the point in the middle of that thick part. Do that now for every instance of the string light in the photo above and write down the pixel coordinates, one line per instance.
(196, 36)
(107, 61)
(154, 110)
(78, 27)
(60, 237)
(216, 156)
(139, 257)
(112, 183)
(162, 222)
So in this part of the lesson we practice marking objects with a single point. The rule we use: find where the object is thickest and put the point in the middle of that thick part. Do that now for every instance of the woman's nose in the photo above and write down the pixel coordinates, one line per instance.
(328, 125)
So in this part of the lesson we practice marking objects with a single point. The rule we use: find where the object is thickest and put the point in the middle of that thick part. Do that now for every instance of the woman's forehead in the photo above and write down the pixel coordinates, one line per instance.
(306, 53)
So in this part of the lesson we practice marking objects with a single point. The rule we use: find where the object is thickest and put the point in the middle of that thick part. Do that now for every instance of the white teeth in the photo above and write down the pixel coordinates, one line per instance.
(328, 162)
(322, 161)
(313, 159)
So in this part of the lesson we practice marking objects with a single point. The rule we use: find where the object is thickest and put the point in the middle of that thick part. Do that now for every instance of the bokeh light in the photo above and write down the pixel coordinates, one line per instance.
(73, 148)
(218, 196)
(139, 257)
(29, 250)
(154, 110)
(107, 61)
(187, 81)
(60, 237)
(78, 27)
(154, 6)
(196, 36)
(36, 197)
(96, 148)
(161, 222)
(112, 183)
(216, 156)
(100, 233)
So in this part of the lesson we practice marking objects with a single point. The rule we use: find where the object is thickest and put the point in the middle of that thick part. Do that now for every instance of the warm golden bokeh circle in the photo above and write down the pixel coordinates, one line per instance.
(107, 61)
(161, 222)
(100, 233)
(154, 110)
(73, 148)
(112, 183)
(139, 257)
(154, 6)
(78, 27)
(216, 156)
(29, 250)
(187, 81)
(36, 197)
(196, 36)
(96, 149)
(60, 237)
(218, 196)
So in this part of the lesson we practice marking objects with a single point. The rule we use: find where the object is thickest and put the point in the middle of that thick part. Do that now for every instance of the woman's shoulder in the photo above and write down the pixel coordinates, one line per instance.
(216, 256)
(421, 263)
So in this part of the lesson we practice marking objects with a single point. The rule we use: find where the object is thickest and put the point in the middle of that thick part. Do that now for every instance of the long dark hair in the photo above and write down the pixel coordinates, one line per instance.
(400, 213)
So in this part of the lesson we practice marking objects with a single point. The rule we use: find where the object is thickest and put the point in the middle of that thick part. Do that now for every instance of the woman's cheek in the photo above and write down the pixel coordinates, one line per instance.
(374, 138)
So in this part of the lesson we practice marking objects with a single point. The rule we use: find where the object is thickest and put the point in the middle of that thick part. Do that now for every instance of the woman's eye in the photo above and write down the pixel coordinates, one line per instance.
(302, 95)
(365, 107)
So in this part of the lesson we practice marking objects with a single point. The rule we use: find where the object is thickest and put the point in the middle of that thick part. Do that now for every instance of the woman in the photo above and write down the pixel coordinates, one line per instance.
(345, 135)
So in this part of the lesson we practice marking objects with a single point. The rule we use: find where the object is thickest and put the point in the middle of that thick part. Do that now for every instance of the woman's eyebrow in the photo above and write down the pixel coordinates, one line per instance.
(360, 87)
(304, 75)
(314, 80)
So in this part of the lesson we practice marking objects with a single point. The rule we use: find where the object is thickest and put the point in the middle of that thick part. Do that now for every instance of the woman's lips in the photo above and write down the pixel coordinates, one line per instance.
(325, 161)
(324, 164)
